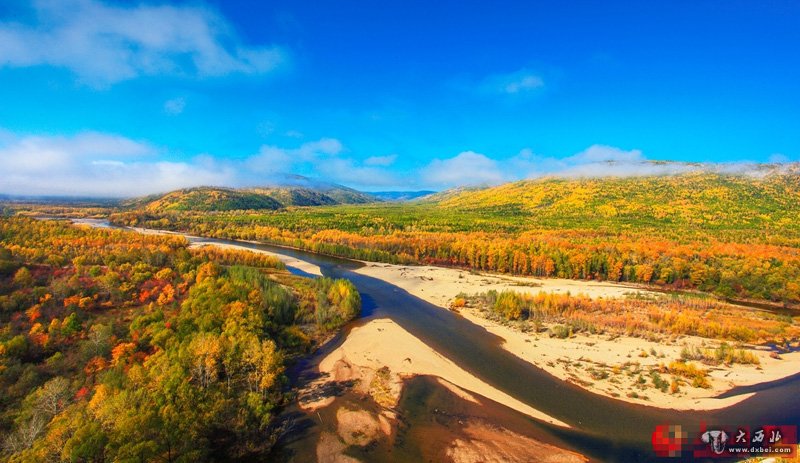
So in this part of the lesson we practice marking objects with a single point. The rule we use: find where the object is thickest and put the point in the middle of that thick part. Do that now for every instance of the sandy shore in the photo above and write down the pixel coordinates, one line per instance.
(612, 366)
(373, 363)
(440, 285)
(366, 351)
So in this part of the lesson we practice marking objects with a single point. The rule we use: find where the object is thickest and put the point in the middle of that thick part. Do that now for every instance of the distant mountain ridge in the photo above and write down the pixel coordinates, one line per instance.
(401, 195)
(654, 191)
(304, 192)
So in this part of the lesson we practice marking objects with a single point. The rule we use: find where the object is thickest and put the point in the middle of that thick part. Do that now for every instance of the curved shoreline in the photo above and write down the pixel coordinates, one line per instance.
(415, 279)
(440, 286)
(479, 351)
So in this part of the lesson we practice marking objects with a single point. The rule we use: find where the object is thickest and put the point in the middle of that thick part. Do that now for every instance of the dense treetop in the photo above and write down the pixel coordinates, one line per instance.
(128, 347)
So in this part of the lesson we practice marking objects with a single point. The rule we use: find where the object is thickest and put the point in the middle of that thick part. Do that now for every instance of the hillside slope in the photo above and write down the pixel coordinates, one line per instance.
(697, 199)
(206, 199)
(203, 199)
(737, 235)
(338, 193)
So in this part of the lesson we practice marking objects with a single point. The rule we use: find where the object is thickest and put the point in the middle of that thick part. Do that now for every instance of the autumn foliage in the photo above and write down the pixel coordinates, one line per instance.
(116, 346)
(734, 235)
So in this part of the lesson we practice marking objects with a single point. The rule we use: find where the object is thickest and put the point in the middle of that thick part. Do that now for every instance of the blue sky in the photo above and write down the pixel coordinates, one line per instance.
(127, 98)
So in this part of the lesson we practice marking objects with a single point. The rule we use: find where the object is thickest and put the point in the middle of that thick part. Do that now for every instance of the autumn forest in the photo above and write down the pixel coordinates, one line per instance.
(117, 346)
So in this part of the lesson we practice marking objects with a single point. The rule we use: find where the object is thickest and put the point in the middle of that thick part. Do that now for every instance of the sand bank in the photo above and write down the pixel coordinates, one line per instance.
(384, 348)
(612, 366)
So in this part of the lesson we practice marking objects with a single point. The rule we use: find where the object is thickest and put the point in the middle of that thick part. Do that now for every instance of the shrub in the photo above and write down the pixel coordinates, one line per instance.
(674, 388)
(559, 331)
(724, 353)
(698, 376)
(659, 382)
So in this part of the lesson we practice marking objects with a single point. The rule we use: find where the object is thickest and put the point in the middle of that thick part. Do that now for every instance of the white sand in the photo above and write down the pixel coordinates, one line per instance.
(382, 342)
(440, 285)
(570, 359)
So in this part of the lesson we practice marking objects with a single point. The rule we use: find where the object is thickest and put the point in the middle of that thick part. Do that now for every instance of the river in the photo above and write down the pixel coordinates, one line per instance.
(603, 428)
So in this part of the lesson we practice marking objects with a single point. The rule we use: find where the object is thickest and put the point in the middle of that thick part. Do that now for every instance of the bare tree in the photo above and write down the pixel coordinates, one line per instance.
(25, 435)
(53, 396)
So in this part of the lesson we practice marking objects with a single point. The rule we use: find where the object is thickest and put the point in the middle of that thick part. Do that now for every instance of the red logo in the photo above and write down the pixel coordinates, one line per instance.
(668, 440)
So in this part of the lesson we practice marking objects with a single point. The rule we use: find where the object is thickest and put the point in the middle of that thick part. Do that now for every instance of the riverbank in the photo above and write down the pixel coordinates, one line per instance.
(620, 367)
(376, 361)
(303, 266)
(382, 348)
(616, 366)
(477, 349)
(198, 241)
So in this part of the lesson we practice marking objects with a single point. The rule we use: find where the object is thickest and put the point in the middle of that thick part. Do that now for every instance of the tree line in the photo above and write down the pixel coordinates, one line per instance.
(749, 269)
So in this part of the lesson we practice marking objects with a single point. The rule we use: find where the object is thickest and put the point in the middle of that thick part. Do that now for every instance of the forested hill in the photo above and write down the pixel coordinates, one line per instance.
(205, 199)
(769, 201)
(734, 234)
(229, 199)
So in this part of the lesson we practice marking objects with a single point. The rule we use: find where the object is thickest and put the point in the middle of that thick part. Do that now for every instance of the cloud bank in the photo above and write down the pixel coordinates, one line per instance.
(96, 164)
(476, 169)
(465, 169)
(323, 159)
(108, 165)
(103, 44)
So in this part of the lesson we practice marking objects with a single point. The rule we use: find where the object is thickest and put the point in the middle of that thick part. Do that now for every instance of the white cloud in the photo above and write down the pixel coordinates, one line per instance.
(272, 159)
(381, 160)
(107, 165)
(174, 106)
(320, 158)
(95, 164)
(778, 158)
(466, 168)
(350, 172)
(608, 161)
(104, 44)
(603, 153)
(325, 146)
(522, 82)
(594, 161)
